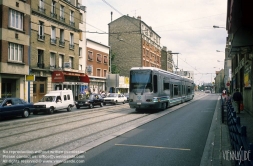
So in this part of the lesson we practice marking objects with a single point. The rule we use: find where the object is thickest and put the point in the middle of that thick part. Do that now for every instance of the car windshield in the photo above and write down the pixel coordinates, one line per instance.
(48, 99)
(112, 95)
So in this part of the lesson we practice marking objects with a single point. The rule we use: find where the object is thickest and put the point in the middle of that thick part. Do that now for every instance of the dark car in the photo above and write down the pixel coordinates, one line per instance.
(15, 107)
(90, 101)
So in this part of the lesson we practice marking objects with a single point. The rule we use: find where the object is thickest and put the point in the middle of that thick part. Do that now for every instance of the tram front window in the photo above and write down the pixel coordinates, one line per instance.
(140, 81)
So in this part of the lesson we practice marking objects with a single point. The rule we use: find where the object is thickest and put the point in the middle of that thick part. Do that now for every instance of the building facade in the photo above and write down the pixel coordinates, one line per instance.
(14, 48)
(54, 58)
(166, 60)
(240, 49)
(97, 65)
(133, 44)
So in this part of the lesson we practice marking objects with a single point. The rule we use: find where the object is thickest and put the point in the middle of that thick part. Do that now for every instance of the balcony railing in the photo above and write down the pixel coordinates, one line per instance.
(40, 65)
(53, 15)
(71, 46)
(72, 23)
(42, 9)
(53, 41)
(62, 43)
(41, 37)
(62, 19)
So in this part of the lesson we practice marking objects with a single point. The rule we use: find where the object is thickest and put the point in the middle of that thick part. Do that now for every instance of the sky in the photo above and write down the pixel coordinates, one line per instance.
(185, 27)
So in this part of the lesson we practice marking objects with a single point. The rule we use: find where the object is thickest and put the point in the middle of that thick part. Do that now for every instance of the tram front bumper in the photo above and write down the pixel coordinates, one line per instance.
(146, 105)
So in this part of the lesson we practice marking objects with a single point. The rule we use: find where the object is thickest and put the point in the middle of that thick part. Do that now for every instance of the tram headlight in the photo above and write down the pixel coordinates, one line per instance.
(159, 100)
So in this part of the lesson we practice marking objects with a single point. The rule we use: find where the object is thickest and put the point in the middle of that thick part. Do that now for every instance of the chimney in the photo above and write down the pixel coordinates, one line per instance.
(139, 17)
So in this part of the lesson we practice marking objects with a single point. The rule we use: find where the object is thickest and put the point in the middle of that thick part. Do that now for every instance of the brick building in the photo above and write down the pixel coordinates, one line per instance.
(133, 43)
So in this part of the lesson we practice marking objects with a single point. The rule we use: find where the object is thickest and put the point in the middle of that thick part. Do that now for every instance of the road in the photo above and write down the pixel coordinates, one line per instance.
(177, 138)
(53, 139)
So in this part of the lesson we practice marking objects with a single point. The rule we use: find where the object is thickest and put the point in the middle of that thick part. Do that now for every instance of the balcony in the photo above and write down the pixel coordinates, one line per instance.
(41, 9)
(61, 43)
(53, 15)
(71, 46)
(40, 65)
(53, 41)
(41, 37)
(72, 23)
(62, 19)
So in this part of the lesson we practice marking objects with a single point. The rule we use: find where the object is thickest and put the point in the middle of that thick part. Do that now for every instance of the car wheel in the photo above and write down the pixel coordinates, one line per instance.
(124, 102)
(91, 105)
(115, 102)
(101, 104)
(51, 110)
(25, 113)
(69, 108)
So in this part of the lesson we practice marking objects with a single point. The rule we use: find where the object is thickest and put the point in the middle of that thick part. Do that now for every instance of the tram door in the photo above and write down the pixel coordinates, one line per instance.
(39, 89)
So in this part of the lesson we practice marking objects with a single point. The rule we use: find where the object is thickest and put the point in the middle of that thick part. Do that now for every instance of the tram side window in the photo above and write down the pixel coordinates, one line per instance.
(155, 83)
(175, 90)
(166, 85)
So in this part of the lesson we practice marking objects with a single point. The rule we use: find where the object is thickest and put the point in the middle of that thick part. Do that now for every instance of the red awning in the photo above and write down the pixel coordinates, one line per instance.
(59, 76)
(85, 78)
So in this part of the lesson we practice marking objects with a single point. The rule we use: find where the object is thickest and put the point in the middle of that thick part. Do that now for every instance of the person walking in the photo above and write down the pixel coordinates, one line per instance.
(237, 97)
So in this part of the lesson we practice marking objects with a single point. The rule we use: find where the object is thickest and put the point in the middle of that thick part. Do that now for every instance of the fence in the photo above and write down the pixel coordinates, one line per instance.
(242, 152)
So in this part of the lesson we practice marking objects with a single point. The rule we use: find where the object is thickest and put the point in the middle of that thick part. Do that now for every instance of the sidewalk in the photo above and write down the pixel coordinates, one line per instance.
(218, 141)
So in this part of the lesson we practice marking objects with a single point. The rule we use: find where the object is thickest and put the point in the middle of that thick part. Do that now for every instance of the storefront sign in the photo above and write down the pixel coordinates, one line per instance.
(58, 76)
(30, 77)
(247, 77)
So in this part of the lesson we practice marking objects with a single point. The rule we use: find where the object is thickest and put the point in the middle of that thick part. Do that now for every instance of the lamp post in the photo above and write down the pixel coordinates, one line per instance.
(177, 59)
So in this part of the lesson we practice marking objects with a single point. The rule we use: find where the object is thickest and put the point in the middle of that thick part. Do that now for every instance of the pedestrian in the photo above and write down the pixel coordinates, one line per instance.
(237, 97)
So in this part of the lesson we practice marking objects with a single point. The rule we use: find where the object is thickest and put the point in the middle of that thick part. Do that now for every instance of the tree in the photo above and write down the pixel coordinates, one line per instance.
(114, 69)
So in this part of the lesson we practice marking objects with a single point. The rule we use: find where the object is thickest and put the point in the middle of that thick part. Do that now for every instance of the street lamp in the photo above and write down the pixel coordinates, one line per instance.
(177, 59)
(215, 26)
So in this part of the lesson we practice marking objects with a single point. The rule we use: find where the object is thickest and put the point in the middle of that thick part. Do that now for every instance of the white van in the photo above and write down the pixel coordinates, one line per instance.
(54, 101)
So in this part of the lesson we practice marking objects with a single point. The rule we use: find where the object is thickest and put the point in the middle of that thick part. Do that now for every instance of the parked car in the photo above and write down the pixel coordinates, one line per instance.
(15, 107)
(127, 96)
(90, 101)
(114, 98)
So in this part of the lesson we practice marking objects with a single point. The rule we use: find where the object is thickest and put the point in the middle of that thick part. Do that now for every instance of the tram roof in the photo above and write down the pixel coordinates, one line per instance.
(157, 69)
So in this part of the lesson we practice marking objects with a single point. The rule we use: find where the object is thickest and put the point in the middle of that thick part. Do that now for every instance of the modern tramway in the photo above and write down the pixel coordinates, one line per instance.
(156, 89)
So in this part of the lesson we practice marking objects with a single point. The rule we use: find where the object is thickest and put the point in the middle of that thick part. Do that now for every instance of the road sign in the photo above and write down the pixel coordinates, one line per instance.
(228, 84)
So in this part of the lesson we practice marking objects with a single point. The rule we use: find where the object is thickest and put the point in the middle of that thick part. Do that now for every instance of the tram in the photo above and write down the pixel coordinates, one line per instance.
(157, 89)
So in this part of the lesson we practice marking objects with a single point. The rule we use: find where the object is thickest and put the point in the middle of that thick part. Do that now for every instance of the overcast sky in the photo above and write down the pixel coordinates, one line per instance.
(185, 27)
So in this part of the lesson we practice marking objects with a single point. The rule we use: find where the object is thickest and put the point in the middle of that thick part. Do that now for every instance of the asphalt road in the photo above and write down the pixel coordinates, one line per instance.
(177, 138)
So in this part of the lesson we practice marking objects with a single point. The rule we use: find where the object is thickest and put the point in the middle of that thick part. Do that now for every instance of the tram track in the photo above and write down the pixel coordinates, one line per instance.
(53, 118)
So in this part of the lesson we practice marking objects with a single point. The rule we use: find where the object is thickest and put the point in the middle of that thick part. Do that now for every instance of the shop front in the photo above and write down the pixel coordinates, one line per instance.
(68, 80)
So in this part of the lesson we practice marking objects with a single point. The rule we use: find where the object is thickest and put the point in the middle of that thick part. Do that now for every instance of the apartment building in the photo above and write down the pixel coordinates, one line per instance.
(55, 53)
(166, 60)
(133, 44)
(97, 65)
(14, 48)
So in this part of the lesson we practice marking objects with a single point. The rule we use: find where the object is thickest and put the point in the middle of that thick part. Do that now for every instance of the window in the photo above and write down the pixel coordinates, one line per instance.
(105, 59)
(71, 19)
(80, 51)
(52, 60)
(98, 72)
(175, 90)
(61, 58)
(16, 19)
(62, 13)
(15, 52)
(71, 41)
(81, 17)
(65, 97)
(40, 62)
(53, 35)
(99, 58)
(71, 60)
(41, 6)
(61, 41)
(53, 9)
(41, 35)
(80, 67)
(105, 73)
(90, 55)
(42, 88)
(155, 83)
(166, 84)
